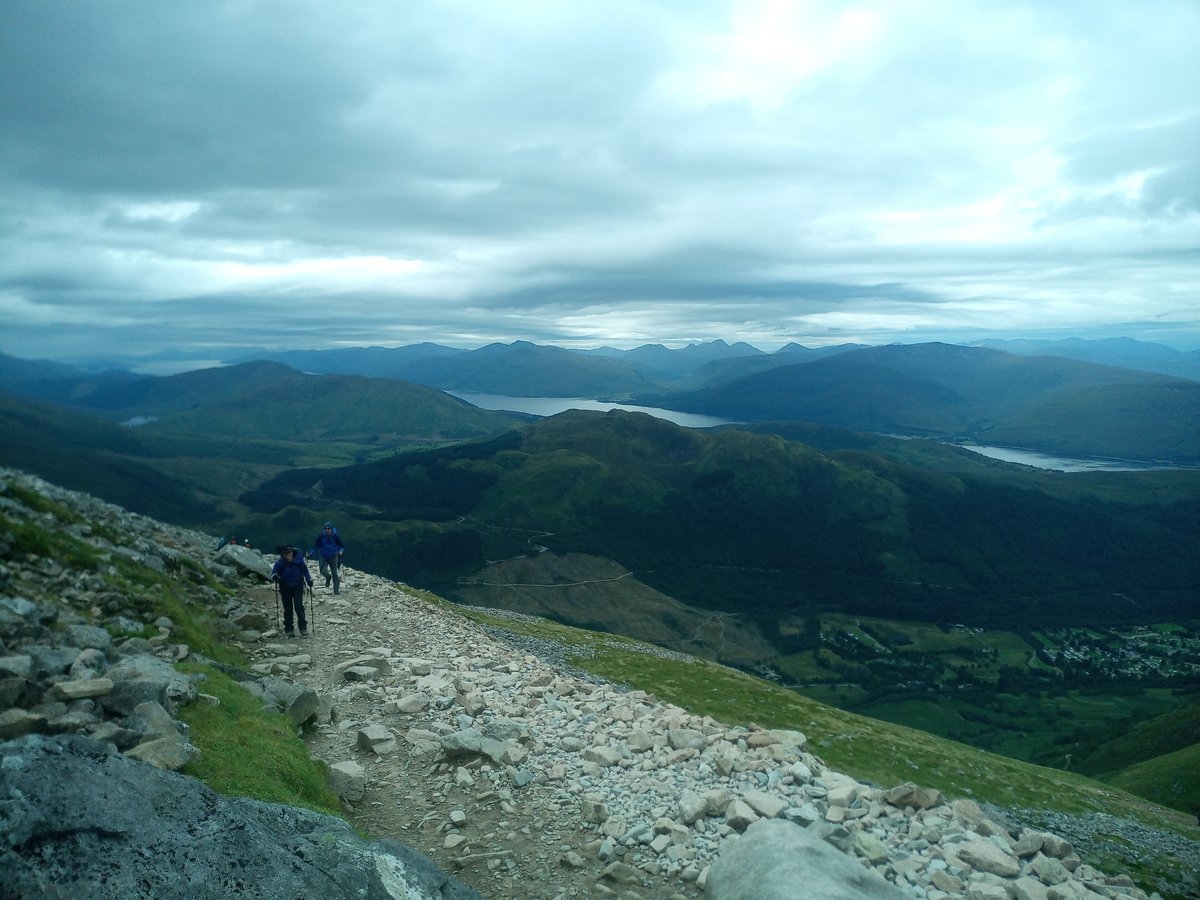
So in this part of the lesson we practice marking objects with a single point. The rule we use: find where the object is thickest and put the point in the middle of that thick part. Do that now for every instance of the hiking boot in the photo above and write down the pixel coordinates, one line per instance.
(303, 632)
(328, 578)
(289, 635)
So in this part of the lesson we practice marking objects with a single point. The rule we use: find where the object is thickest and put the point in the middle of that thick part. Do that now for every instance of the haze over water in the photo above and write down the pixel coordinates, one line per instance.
(550, 406)
(1061, 463)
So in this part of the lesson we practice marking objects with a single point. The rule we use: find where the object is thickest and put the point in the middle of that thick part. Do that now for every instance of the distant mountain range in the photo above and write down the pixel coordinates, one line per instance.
(949, 392)
(968, 393)
(266, 400)
(1124, 352)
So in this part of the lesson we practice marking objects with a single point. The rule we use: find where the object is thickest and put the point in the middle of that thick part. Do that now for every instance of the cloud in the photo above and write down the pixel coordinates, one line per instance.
(593, 174)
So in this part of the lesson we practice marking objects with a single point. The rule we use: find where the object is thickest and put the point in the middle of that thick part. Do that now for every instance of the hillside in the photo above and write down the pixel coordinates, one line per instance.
(90, 454)
(272, 401)
(207, 436)
(548, 798)
(1125, 352)
(946, 391)
(714, 518)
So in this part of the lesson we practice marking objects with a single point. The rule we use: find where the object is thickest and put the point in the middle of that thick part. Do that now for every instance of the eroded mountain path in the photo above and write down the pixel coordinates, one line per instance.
(523, 843)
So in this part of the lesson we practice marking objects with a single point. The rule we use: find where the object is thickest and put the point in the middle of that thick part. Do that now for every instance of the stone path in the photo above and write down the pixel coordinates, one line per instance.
(528, 781)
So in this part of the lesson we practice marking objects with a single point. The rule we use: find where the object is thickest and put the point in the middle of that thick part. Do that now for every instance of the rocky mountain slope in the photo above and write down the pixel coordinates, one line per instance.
(519, 774)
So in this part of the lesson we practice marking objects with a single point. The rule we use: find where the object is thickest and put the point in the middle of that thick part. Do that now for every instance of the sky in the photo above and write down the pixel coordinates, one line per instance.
(185, 179)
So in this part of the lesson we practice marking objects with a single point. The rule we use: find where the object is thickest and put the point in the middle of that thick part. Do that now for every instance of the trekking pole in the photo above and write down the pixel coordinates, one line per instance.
(312, 610)
(277, 626)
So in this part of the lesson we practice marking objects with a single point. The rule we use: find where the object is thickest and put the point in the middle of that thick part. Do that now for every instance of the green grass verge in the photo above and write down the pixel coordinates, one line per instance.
(249, 752)
(1168, 779)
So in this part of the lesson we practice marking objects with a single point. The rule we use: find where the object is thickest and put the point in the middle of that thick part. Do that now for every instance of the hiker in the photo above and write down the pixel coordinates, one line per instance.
(290, 573)
(327, 548)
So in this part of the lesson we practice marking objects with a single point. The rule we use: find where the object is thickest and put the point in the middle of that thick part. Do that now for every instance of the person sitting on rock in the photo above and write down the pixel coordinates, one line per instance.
(327, 548)
(291, 574)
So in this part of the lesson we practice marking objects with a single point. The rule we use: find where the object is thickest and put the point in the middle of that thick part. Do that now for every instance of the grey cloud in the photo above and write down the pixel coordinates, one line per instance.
(554, 168)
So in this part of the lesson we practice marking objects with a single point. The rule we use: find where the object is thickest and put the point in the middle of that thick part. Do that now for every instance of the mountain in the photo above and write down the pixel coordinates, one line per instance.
(55, 382)
(963, 393)
(85, 453)
(524, 369)
(658, 363)
(268, 400)
(20, 371)
(715, 519)
(377, 362)
(202, 437)
(1124, 352)
(520, 369)
(721, 371)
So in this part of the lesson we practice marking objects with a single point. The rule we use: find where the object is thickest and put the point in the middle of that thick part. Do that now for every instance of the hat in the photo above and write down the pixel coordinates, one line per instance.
(286, 548)
(327, 525)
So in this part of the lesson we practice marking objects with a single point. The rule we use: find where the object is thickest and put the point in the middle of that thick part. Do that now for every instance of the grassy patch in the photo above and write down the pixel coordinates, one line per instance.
(249, 752)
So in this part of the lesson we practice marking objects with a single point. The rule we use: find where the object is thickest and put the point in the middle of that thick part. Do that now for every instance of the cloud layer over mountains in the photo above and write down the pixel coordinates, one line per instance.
(315, 175)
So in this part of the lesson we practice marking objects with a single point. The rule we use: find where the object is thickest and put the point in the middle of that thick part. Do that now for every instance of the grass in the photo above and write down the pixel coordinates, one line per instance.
(1168, 779)
(249, 752)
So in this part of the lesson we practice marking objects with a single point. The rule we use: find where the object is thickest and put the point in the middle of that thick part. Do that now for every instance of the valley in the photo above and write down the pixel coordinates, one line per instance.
(1040, 614)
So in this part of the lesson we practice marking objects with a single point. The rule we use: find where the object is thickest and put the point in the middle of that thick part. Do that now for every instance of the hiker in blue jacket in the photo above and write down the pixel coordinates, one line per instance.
(327, 548)
(291, 574)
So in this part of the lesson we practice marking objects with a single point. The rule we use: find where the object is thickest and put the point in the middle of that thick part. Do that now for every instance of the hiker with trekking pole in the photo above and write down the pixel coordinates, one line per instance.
(328, 548)
(290, 575)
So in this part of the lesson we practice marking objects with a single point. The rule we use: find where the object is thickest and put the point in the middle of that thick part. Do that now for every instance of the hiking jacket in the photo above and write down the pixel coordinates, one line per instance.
(327, 545)
(294, 573)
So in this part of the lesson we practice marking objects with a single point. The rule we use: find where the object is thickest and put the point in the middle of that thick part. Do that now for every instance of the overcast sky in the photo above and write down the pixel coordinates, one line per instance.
(193, 176)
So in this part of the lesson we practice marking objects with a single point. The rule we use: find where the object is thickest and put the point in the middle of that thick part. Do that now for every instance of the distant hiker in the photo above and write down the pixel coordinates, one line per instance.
(291, 574)
(222, 542)
(327, 548)
(247, 543)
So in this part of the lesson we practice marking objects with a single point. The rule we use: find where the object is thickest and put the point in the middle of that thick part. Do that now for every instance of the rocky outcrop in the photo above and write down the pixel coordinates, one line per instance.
(78, 819)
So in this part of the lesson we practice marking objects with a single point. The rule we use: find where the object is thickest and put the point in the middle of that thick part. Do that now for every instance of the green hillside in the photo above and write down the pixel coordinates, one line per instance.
(765, 527)
(212, 434)
(271, 401)
(1172, 779)
(946, 391)
(88, 454)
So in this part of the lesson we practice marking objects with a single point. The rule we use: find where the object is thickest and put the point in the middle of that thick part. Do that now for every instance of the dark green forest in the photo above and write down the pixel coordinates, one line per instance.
(764, 526)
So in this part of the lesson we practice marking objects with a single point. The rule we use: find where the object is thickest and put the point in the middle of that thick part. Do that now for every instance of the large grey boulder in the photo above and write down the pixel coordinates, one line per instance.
(244, 560)
(778, 860)
(295, 701)
(79, 820)
(140, 679)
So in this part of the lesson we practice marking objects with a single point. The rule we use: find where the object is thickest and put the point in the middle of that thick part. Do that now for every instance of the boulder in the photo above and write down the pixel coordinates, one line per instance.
(80, 820)
(774, 858)
(348, 780)
(245, 561)
(137, 679)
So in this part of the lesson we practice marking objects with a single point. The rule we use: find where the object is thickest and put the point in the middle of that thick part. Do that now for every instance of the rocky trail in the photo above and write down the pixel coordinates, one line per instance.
(527, 780)
(470, 816)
